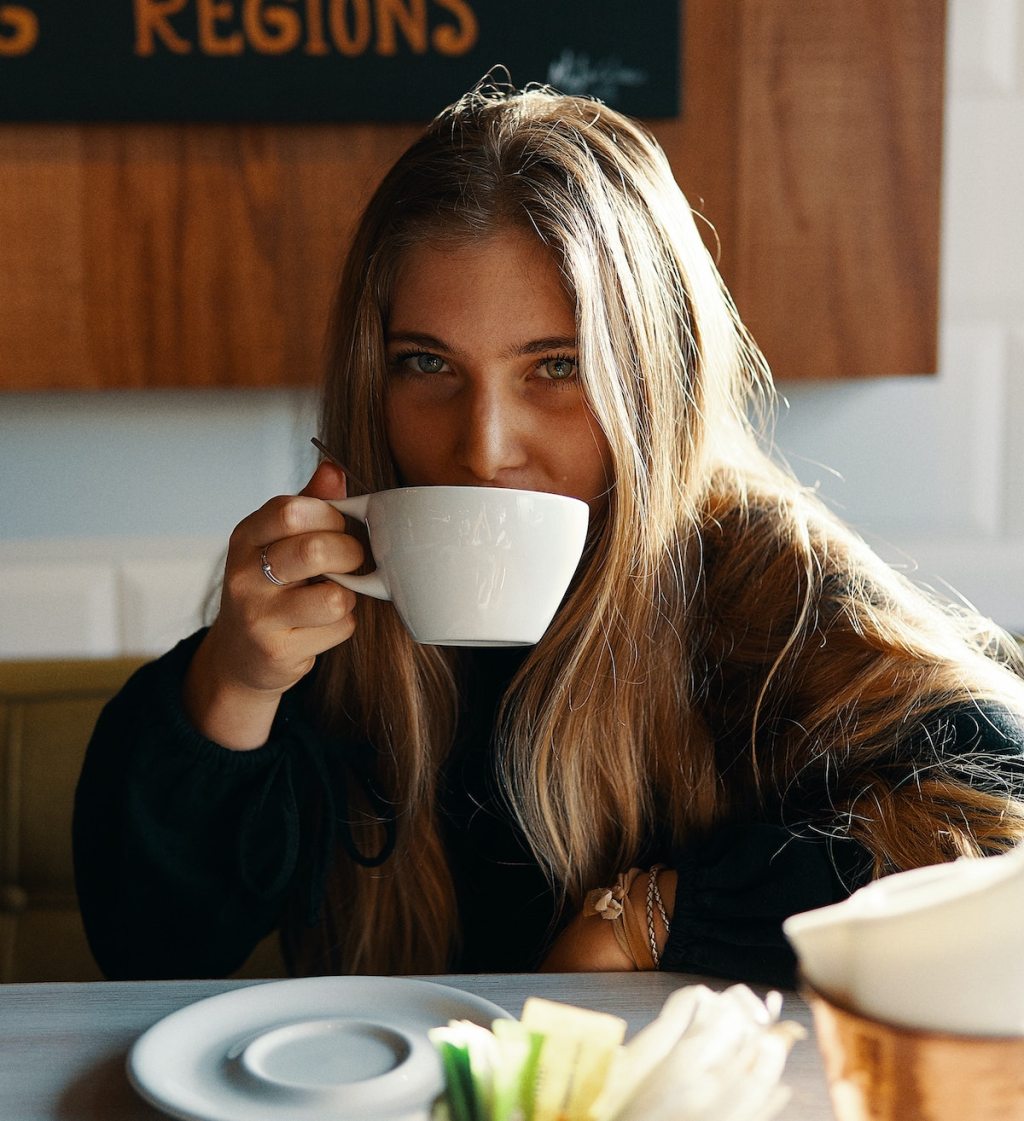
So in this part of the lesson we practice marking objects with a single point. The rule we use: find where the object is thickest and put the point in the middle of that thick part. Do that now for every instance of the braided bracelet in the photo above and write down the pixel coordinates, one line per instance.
(637, 941)
(654, 900)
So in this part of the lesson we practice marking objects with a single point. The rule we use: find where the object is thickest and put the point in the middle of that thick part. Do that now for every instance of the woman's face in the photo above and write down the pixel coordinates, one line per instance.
(482, 386)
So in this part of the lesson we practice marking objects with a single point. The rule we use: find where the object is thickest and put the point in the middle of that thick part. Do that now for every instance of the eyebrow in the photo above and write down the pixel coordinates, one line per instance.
(533, 346)
(539, 346)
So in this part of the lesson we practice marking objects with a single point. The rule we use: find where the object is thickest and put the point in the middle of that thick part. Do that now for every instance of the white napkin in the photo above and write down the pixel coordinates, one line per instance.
(937, 948)
(707, 1057)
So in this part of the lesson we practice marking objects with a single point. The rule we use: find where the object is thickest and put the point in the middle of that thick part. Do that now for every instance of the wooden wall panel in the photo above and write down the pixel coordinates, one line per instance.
(702, 144)
(195, 255)
(42, 318)
(837, 225)
(164, 255)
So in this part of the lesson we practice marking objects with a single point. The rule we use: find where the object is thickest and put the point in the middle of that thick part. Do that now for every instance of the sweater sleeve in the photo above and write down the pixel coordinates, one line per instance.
(185, 852)
(737, 885)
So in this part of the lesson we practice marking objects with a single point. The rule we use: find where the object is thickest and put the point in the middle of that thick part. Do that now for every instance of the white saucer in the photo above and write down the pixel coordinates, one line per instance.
(314, 1049)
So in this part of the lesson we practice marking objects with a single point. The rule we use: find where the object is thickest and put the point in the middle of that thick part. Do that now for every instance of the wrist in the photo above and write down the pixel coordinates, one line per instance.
(635, 910)
(228, 713)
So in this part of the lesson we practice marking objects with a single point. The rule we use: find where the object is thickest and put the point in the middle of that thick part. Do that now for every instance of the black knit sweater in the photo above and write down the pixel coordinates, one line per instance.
(187, 854)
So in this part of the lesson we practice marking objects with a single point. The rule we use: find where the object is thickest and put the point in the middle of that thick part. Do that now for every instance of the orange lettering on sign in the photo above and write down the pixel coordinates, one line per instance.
(24, 32)
(316, 44)
(152, 22)
(449, 39)
(356, 42)
(411, 19)
(274, 31)
(209, 14)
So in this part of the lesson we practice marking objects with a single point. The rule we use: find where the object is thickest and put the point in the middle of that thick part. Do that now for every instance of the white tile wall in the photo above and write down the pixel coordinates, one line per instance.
(983, 46)
(983, 230)
(82, 598)
(161, 600)
(900, 456)
(986, 574)
(1013, 460)
(59, 608)
(972, 367)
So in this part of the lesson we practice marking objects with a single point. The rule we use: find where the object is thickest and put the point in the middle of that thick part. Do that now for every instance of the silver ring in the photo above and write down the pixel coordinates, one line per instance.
(269, 572)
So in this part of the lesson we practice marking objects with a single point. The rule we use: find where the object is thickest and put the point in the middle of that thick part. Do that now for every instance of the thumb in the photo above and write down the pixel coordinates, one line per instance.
(328, 481)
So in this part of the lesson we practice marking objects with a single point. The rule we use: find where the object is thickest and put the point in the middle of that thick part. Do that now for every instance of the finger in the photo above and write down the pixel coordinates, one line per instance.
(318, 639)
(307, 556)
(328, 481)
(281, 654)
(286, 627)
(309, 607)
(285, 516)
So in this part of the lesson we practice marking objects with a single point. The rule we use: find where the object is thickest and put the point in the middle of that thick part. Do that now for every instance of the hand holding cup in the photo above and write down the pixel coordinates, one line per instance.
(268, 632)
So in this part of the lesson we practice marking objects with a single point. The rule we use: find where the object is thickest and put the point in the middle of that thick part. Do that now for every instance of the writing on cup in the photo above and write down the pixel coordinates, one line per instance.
(469, 566)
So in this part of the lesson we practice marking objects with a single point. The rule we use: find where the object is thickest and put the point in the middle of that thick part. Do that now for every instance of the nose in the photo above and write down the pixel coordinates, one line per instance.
(490, 439)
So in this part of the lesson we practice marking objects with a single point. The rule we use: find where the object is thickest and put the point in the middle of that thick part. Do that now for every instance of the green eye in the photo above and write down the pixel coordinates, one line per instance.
(559, 369)
(428, 363)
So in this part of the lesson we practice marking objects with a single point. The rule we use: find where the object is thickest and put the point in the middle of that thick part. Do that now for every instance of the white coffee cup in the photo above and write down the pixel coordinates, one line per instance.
(469, 566)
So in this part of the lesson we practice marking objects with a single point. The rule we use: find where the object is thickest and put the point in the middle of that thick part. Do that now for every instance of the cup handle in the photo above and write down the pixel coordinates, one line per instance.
(372, 583)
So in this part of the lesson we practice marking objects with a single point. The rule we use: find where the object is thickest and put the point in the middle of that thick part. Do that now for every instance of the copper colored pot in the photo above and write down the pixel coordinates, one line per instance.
(885, 1072)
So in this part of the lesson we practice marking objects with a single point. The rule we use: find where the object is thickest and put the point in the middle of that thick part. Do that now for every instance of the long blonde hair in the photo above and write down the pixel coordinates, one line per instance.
(717, 600)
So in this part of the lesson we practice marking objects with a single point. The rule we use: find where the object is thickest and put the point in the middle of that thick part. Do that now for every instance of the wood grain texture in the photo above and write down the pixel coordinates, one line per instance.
(840, 121)
(204, 255)
(175, 255)
(701, 143)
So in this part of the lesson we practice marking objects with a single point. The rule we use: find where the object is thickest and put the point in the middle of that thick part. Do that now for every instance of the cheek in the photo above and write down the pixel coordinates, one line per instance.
(395, 424)
(583, 460)
(408, 438)
(593, 452)
(602, 473)
(396, 429)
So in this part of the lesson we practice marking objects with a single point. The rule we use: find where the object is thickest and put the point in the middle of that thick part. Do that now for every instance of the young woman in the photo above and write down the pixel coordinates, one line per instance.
(736, 698)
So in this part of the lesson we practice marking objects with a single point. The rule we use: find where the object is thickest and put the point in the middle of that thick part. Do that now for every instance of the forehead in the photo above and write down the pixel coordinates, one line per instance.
(507, 273)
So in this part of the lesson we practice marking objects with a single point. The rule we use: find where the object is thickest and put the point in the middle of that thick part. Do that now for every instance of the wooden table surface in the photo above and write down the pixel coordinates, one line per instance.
(63, 1046)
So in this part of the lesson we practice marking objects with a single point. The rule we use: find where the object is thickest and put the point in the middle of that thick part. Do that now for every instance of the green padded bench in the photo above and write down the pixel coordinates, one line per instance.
(47, 713)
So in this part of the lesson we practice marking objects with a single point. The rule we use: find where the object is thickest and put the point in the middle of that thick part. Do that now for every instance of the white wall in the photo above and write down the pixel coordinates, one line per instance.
(115, 509)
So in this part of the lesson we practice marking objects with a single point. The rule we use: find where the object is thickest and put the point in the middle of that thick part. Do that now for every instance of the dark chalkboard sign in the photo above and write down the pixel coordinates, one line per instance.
(323, 60)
